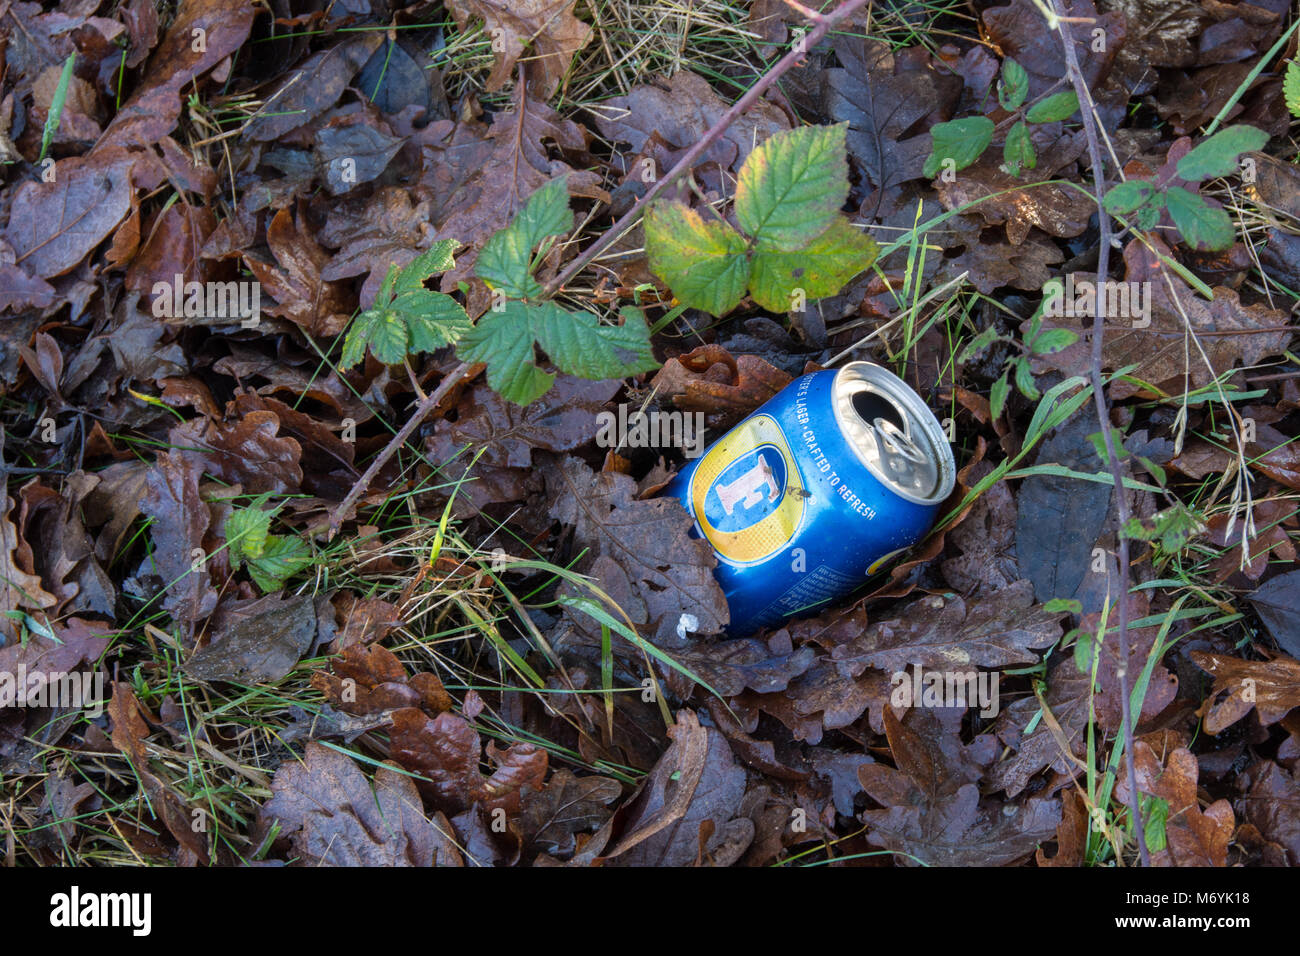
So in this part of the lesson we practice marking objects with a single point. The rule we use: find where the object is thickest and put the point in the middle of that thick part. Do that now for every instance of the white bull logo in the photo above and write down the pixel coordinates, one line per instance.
(747, 488)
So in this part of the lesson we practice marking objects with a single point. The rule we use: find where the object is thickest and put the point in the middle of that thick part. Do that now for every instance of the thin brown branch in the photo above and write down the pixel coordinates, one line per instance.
(1088, 112)
(430, 402)
(821, 27)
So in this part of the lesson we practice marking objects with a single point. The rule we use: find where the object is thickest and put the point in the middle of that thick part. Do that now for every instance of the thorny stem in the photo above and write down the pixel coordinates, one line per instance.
(428, 404)
(822, 25)
(1087, 110)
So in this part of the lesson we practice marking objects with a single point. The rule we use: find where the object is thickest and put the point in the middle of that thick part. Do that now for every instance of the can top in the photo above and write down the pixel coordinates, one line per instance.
(893, 432)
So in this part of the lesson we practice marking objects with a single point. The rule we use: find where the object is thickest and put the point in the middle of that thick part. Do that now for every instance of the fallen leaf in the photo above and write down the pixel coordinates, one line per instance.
(255, 642)
(948, 633)
(546, 29)
(1276, 601)
(333, 816)
(566, 806)
(1271, 688)
(1193, 837)
(1161, 351)
(640, 551)
(684, 811)
(53, 226)
(933, 813)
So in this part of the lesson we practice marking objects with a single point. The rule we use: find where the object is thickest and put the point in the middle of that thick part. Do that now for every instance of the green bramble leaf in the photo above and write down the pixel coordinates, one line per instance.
(505, 258)
(282, 558)
(963, 141)
(819, 270)
(246, 533)
(1157, 819)
(576, 343)
(1014, 86)
(503, 340)
(1217, 156)
(1202, 225)
(1058, 107)
(407, 318)
(792, 185)
(1126, 197)
(1291, 87)
(704, 263)
(1018, 151)
(271, 559)
(796, 245)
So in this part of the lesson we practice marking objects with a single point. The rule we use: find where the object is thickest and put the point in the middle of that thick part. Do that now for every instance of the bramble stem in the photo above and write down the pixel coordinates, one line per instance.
(1088, 111)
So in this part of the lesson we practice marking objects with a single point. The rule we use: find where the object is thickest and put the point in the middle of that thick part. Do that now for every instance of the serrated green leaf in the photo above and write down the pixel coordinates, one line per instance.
(1057, 107)
(832, 259)
(354, 344)
(504, 341)
(1053, 340)
(281, 559)
(504, 260)
(578, 344)
(1217, 156)
(1202, 226)
(387, 337)
(246, 533)
(998, 396)
(1014, 86)
(704, 263)
(433, 320)
(435, 260)
(1123, 198)
(1291, 87)
(1025, 380)
(792, 185)
(962, 140)
(575, 341)
(1018, 151)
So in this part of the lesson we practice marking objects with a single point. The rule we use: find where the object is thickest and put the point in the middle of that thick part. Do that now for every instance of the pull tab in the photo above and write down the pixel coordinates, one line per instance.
(902, 460)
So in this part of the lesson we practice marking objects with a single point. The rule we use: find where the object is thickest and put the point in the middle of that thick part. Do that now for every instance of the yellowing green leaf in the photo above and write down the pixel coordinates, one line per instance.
(792, 186)
(704, 263)
(831, 260)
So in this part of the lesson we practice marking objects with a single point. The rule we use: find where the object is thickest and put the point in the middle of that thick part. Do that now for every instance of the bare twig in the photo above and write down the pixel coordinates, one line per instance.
(1087, 110)
(428, 404)
(822, 25)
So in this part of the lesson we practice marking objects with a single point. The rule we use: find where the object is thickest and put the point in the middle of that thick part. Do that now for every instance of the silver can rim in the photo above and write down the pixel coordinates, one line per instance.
(918, 416)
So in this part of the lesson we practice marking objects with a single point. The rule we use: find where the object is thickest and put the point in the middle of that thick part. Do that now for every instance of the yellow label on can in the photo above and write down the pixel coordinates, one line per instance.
(747, 494)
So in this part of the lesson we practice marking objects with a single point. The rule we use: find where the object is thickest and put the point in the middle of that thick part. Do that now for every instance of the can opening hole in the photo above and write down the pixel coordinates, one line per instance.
(871, 406)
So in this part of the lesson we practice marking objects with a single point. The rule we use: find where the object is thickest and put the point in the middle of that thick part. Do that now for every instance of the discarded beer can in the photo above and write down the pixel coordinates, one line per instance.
(840, 472)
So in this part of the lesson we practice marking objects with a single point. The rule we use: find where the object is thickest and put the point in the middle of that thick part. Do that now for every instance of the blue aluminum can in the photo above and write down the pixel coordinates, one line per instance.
(802, 501)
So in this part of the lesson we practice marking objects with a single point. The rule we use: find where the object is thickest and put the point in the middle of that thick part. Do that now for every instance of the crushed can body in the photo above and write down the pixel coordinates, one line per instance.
(818, 489)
